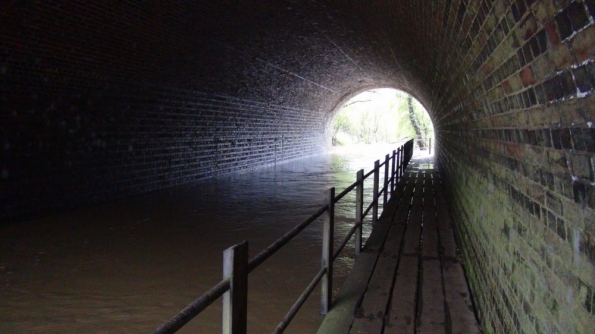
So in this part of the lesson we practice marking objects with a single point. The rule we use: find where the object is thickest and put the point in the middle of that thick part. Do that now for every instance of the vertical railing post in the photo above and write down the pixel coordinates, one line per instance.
(235, 301)
(359, 210)
(402, 160)
(399, 154)
(392, 172)
(386, 190)
(375, 191)
(327, 253)
(430, 145)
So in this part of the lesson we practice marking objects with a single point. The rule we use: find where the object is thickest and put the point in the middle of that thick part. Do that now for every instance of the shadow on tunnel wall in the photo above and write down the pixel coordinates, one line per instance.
(105, 101)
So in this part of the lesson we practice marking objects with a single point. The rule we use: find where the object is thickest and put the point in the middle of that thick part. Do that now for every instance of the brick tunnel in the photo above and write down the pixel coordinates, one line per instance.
(106, 100)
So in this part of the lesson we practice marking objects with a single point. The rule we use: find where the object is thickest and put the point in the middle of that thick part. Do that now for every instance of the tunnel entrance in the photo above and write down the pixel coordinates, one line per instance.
(382, 115)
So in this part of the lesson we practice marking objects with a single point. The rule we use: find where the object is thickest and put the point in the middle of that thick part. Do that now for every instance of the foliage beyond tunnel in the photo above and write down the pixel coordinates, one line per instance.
(381, 116)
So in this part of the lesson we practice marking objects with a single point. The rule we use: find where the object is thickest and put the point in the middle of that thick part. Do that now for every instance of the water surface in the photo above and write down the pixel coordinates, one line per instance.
(127, 267)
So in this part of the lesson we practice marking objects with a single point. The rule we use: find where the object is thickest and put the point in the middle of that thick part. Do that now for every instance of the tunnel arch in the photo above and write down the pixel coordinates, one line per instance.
(351, 94)
(382, 90)
(113, 100)
(344, 98)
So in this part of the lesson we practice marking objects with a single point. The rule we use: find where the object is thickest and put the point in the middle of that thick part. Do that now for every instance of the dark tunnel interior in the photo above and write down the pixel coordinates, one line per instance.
(106, 100)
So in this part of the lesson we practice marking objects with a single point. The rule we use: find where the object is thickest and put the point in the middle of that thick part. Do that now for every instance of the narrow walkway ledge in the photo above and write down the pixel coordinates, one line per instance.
(408, 278)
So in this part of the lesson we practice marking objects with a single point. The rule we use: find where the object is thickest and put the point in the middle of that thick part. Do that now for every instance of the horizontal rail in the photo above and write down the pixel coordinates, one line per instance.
(427, 140)
(192, 310)
(368, 209)
(301, 300)
(345, 241)
(275, 246)
(346, 191)
(325, 273)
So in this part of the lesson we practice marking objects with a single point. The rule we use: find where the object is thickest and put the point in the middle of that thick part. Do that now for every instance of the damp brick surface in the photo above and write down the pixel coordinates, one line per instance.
(102, 101)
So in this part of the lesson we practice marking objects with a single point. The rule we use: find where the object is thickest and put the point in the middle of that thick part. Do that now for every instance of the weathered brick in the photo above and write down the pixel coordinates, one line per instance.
(554, 204)
(552, 33)
(590, 196)
(561, 56)
(564, 24)
(577, 15)
(583, 79)
(589, 139)
(581, 166)
(527, 77)
(582, 44)
(100, 104)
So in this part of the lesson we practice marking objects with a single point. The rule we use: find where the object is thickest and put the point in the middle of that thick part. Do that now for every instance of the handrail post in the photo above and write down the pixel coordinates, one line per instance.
(430, 145)
(359, 210)
(327, 253)
(402, 161)
(375, 191)
(386, 190)
(399, 154)
(393, 171)
(235, 301)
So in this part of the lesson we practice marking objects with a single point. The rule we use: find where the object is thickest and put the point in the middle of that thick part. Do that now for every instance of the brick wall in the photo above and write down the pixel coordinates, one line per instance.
(100, 101)
(110, 100)
(524, 196)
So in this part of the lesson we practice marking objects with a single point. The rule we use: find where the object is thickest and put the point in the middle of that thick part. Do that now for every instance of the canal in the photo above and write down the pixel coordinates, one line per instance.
(128, 266)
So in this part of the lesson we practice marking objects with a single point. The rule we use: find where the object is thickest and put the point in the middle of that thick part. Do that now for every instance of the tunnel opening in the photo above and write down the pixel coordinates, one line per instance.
(382, 116)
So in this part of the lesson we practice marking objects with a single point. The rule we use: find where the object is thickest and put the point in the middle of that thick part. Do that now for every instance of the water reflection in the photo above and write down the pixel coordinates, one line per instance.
(129, 266)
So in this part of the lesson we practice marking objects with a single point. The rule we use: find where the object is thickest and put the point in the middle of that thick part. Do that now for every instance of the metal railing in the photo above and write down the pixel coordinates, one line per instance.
(424, 143)
(236, 267)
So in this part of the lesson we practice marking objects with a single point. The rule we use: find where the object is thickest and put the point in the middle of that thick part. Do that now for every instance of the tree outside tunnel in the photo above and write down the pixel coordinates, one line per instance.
(381, 116)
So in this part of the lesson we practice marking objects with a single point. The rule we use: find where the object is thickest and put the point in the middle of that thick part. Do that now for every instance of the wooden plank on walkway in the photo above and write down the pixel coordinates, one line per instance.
(460, 309)
(460, 315)
(449, 246)
(430, 232)
(431, 311)
(340, 318)
(376, 239)
(379, 233)
(408, 278)
(371, 312)
(419, 187)
(431, 304)
(401, 315)
(400, 187)
(431, 300)
(402, 213)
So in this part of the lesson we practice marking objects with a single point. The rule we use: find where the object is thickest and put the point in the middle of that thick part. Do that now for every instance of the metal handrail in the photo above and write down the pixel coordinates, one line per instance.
(369, 208)
(301, 300)
(275, 246)
(427, 140)
(345, 241)
(346, 191)
(225, 287)
(192, 310)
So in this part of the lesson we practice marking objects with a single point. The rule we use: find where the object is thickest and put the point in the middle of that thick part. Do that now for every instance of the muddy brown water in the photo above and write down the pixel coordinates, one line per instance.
(129, 266)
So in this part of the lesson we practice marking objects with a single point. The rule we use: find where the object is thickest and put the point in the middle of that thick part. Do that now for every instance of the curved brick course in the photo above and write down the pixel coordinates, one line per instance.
(102, 100)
